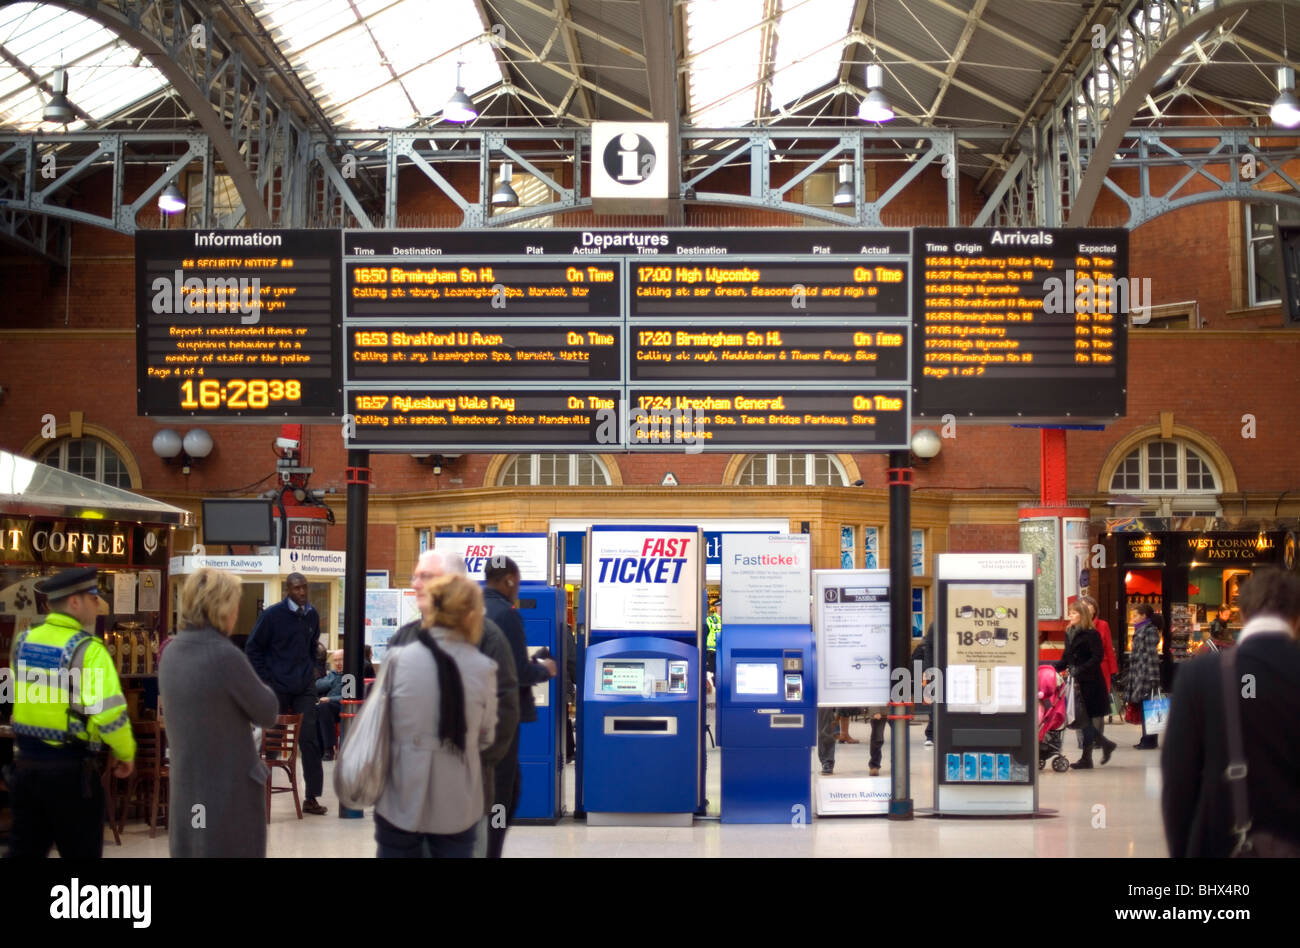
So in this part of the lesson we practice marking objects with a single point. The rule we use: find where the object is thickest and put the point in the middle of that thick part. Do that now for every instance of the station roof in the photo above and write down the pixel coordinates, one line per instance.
(371, 64)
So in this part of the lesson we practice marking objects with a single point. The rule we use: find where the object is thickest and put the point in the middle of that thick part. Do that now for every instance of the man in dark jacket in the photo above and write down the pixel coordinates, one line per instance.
(282, 650)
(501, 578)
(431, 565)
(1197, 795)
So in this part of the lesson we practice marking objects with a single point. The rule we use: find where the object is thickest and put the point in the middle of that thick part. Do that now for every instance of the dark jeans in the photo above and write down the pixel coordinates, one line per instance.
(877, 739)
(504, 798)
(826, 736)
(397, 843)
(313, 774)
(60, 804)
(327, 719)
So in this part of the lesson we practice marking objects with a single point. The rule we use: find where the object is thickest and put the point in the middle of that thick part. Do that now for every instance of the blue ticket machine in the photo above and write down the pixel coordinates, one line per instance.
(541, 742)
(767, 722)
(641, 731)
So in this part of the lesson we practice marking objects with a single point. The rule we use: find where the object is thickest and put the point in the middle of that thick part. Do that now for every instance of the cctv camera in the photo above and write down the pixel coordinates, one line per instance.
(287, 444)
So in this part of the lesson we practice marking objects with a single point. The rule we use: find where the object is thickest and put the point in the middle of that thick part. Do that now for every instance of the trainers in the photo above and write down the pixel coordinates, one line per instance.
(929, 743)
(314, 808)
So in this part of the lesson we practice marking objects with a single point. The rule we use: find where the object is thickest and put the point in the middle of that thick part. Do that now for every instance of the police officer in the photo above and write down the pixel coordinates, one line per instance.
(713, 624)
(68, 705)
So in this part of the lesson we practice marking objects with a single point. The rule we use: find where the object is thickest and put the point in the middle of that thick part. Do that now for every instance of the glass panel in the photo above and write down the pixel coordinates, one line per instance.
(754, 472)
(115, 471)
(516, 471)
(1162, 466)
(809, 47)
(722, 44)
(1264, 254)
(1128, 476)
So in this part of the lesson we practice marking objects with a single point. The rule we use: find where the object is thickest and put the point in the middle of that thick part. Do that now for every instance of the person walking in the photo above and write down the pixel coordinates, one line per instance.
(1197, 761)
(443, 714)
(282, 650)
(217, 796)
(1144, 668)
(68, 704)
(1082, 659)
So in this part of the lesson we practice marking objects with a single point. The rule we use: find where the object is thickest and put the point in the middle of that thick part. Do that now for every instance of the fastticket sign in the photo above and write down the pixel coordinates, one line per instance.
(529, 551)
(644, 579)
(238, 324)
(765, 578)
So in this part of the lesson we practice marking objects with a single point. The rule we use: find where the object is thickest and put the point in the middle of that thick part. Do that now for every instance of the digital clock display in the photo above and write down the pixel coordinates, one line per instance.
(238, 324)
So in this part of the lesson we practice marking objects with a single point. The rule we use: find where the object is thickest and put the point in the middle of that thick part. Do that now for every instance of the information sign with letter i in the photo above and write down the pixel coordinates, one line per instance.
(985, 728)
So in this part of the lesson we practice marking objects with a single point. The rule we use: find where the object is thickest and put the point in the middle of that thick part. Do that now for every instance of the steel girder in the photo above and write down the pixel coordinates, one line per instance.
(254, 135)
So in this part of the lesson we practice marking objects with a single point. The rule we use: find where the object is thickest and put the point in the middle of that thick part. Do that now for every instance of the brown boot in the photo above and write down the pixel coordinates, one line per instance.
(844, 732)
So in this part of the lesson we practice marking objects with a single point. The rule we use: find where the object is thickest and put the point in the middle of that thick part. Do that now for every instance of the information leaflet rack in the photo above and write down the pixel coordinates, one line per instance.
(985, 729)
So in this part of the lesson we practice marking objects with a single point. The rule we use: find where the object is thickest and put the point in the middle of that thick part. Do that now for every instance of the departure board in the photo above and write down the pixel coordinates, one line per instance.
(1021, 325)
(238, 324)
(633, 340)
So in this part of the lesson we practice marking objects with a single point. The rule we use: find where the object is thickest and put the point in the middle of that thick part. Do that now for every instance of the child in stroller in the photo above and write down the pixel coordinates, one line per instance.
(1051, 719)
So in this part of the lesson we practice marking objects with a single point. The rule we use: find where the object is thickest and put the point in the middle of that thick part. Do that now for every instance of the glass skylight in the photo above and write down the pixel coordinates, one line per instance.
(105, 73)
(809, 47)
(723, 39)
(386, 63)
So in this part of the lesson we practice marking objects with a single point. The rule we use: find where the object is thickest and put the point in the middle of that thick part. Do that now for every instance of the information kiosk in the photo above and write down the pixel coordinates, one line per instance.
(642, 676)
(541, 606)
(767, 707)
(986, 750)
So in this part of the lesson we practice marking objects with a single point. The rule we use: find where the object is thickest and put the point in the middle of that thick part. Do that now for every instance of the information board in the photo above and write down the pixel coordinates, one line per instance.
(1021, 324)
(238, 324)
(646, 340)
(764, 578)
(852, 629)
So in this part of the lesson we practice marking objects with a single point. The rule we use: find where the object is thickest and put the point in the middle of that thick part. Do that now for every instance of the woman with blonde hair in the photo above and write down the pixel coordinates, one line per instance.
(217, 802)
(443, 713)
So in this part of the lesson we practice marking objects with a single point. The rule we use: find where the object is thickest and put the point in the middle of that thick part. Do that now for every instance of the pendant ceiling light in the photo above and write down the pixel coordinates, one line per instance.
(875, 107)
(1286, 110)
(59, 109)
(460, 107)
(171, 201)
(503, 195)
(844, 193)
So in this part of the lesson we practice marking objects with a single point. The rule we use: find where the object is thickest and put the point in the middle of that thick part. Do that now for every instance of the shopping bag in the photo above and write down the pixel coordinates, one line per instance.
(1073, 705)
(1155, 713)
(362, 767)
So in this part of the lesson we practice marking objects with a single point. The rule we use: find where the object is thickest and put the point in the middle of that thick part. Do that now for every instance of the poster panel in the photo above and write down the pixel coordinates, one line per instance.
(530, 551)
(765, 578)
(1039, 536)
(644, 579)
(383, 618)
(1075, 555)
(986, 630)
(852, 629)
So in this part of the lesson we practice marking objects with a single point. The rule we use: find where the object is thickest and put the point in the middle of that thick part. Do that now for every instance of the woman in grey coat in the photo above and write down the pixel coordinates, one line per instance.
(212, 697)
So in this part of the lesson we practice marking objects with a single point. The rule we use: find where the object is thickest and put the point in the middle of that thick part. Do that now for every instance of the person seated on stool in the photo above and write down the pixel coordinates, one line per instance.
(331, 704)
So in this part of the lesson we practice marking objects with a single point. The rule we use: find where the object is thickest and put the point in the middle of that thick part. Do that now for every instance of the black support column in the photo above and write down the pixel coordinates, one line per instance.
(900, 636)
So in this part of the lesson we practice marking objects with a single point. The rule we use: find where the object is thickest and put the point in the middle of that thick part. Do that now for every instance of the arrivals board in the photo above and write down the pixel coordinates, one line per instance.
(637, 340)
(238, 324)
(1021, 324)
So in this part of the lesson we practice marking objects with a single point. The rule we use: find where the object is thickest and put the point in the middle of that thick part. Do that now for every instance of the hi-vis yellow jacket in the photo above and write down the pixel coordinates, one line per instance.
(66, 691)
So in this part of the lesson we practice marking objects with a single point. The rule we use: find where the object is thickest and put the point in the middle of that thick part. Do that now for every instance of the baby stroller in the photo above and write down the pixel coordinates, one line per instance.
(1051, 719)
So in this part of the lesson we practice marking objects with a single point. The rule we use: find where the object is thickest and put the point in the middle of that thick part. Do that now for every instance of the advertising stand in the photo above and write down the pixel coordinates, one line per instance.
(541, 606)
(986, 751)
(852, 627)
(642, 673)
(767, 720)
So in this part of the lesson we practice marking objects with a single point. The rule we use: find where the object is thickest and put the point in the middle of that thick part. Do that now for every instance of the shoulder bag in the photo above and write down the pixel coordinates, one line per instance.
(1250, 843)
(362, 768)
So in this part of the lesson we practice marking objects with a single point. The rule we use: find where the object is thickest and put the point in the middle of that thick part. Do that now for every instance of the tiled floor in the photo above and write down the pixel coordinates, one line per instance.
(1106, 812)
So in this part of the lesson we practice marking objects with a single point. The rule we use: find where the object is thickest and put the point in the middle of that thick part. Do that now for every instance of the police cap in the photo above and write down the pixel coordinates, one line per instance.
(68, 582)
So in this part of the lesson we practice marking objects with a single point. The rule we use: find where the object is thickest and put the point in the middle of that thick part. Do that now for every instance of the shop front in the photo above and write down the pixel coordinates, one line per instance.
(1191, 580)
(52, 520)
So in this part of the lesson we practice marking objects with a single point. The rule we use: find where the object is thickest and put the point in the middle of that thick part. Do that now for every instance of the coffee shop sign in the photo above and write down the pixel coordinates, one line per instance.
(82, 543)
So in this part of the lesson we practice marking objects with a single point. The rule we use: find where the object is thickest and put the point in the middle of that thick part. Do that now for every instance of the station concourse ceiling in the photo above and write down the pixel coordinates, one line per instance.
(352, 65)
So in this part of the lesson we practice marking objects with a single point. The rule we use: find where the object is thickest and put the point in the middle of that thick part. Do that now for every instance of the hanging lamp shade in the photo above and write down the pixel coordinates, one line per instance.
(503, 195)
(875, 107)
(171, 201)
(59, 109)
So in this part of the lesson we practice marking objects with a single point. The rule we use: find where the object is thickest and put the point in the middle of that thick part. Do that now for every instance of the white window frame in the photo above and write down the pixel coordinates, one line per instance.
(534, 461)
(1253, 242)
(808, 472)
(57, 456)
(1182, 501)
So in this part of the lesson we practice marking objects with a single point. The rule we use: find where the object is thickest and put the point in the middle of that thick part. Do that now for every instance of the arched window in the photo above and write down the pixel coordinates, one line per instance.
(89, 457)
(1171, 476)
(553, 470)
(784, 470)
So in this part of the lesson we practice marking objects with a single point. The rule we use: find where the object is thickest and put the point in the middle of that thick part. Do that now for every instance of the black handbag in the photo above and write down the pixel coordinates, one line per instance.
(1250, 843)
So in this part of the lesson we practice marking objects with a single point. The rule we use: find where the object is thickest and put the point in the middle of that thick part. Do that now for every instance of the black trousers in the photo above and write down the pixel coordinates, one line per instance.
(327, 719)
(504, 798)
(313, 774)
(56, 803)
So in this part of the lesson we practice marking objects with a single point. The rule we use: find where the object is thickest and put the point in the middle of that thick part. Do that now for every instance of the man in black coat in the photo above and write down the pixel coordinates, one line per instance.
(1197, 797)
(501, 579)
(282, 650)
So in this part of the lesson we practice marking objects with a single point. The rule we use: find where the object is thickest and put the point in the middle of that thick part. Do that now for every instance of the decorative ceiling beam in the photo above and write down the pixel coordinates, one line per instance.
(955, 58)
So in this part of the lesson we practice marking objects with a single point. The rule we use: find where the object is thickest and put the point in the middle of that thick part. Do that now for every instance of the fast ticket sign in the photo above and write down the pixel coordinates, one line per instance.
(530, 551)
(765, 579)
(644, 579)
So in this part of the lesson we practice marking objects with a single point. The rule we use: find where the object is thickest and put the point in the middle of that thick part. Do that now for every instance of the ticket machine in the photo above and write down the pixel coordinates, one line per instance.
(641, 725)
(767, 722)
(541, 742)
(641, 749)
